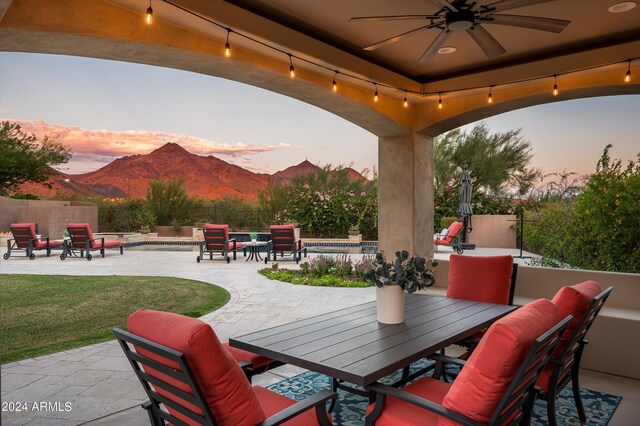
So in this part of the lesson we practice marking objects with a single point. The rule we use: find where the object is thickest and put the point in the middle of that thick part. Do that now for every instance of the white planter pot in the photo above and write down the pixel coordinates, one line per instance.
(390, 300)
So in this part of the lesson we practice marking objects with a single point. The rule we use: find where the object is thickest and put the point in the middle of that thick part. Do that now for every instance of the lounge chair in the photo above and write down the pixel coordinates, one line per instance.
(191, 379)
(451, 238)
(216, 241)
(494, 387)
(283, 241)
(583, 301)
(81, 239)
(25, 240)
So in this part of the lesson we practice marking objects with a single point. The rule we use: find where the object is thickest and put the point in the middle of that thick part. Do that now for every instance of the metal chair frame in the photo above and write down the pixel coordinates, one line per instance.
(288, 236)
(79, 240)
(218, 237)
(20, 235)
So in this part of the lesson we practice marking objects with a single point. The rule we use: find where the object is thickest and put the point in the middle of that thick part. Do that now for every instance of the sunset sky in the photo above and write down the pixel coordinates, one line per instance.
(105, 109)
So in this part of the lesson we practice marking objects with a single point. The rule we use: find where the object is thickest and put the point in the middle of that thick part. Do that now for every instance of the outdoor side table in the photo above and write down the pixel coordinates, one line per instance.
(254, 249)
(351, 345)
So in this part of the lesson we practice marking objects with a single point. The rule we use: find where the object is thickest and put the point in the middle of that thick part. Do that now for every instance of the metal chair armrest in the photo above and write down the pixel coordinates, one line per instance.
(317, 400)
(424, 404)
(447, 359)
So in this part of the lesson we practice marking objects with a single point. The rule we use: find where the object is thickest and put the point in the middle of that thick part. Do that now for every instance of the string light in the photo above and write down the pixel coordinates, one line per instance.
(292, 70)
(148, 18)
(227, 46)
(334, 85)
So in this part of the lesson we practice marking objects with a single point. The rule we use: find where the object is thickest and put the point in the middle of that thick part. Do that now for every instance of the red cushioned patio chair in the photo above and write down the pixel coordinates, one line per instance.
(216, 241)
(81, 239)
(494, 387)
(451, 238)
(191, 379)
(283, 241)
(583, 301)
(26, 241)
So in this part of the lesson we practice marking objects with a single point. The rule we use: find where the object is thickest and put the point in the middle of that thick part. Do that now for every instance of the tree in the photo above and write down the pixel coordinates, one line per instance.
(168, 200)
(25, 159)
(498, 162)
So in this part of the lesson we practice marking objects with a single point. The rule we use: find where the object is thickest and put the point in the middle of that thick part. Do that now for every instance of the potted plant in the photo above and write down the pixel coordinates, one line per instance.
(253, 235)
(406, 273)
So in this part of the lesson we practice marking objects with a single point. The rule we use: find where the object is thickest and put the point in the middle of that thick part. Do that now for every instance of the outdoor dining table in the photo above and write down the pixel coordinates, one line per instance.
(352, 346)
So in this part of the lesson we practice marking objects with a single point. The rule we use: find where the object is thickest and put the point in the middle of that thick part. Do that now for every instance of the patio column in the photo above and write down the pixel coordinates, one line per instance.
(405, 194)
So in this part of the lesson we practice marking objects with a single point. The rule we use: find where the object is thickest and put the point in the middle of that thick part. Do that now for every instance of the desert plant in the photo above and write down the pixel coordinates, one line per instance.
(342, 266)
(361, 267)
(411, 273)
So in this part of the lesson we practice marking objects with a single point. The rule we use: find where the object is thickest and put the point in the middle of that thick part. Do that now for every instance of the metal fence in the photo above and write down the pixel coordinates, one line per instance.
(235, 218)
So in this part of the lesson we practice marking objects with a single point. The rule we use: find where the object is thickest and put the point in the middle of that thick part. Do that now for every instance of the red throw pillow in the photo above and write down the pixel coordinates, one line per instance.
(490, 369)
(224, 386)
(480, 278)
(573, 300)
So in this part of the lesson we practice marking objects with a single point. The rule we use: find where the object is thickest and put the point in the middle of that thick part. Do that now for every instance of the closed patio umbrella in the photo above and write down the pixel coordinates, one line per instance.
(464, 206)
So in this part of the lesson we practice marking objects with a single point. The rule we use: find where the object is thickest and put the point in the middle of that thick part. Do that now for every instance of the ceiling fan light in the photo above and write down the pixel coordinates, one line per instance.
(446, 50)
(625, 6)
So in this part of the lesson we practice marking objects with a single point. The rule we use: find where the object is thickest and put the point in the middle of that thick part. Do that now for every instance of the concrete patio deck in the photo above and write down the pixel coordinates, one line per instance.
(99, 383)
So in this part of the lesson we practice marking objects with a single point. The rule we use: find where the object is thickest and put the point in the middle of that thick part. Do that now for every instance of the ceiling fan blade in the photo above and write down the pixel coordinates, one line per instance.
(503, 5)
(435, 45)
(444, 4)
(397, 37)
(533, 22)
(487, 43)
(477, 5)
(393, 17)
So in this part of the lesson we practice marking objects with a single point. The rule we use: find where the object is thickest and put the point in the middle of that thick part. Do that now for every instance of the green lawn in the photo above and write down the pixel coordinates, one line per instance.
(42, 314)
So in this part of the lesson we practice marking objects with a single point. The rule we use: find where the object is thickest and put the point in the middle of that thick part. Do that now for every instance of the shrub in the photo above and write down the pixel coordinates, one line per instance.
(361, 266)
(288, 276)
(446, 221)
(124, 216)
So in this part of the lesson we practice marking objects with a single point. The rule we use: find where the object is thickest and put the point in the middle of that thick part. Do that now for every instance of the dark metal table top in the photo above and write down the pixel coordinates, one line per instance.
(351, 345)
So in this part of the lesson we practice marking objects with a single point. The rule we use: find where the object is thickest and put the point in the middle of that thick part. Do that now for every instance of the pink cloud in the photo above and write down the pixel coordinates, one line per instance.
(94, 148)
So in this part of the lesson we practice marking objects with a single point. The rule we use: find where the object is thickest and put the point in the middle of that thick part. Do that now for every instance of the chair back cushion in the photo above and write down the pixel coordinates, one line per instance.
(282, 237)
(79, 234)
(224, 386)
(573, 300)
(480, 278)
(484, 379)
(22, 233)
(215, 236)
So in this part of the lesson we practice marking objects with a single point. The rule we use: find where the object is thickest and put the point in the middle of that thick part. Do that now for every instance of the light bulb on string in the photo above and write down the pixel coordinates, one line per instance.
(334, 85)
(405, 103)
(555, 85)
(227, 46)
(375, 95)
(292, 70)
(627, 76)
(490, 97)
(439, 100)
(148, 18)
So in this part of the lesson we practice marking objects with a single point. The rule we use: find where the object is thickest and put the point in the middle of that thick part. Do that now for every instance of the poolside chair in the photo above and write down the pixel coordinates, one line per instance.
(191, 379)
(494, 387)
(283, 241)
(451, 238)
(216, 241)
(26, 241)
(583, 301)
(81, 239)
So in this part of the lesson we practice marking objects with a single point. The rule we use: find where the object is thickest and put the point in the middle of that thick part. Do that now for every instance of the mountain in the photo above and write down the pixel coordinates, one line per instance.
(205, 177)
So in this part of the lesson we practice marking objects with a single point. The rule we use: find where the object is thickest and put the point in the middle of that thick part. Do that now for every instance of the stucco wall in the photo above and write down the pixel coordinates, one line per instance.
(612, 346)
(492, 231)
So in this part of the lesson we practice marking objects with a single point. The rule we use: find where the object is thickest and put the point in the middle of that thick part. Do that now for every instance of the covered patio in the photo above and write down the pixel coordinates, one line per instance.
(311, 51)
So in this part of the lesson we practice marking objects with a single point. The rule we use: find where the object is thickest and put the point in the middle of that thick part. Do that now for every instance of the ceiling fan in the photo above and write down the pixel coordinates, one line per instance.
(460, 15)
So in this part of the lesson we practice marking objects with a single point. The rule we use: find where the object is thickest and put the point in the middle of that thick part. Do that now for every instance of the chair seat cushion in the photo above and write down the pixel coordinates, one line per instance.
(400, 413)
(490, 369)
(107, 244)
(273, 402)
(222, 381)
(246, 356)
(42, 244)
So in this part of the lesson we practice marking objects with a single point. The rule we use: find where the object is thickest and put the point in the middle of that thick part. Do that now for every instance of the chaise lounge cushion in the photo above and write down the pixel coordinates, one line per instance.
(480, 278)
(224, 385)
(452, 232)
(38, 244)
(490, 369)
(80, 241)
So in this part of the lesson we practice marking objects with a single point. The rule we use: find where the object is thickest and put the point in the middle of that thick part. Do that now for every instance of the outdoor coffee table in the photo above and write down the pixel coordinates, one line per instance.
(350, 345)
(254, 249)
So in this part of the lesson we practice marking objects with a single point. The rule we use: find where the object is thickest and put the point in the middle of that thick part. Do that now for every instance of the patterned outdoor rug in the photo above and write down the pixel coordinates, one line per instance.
(350, 408)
